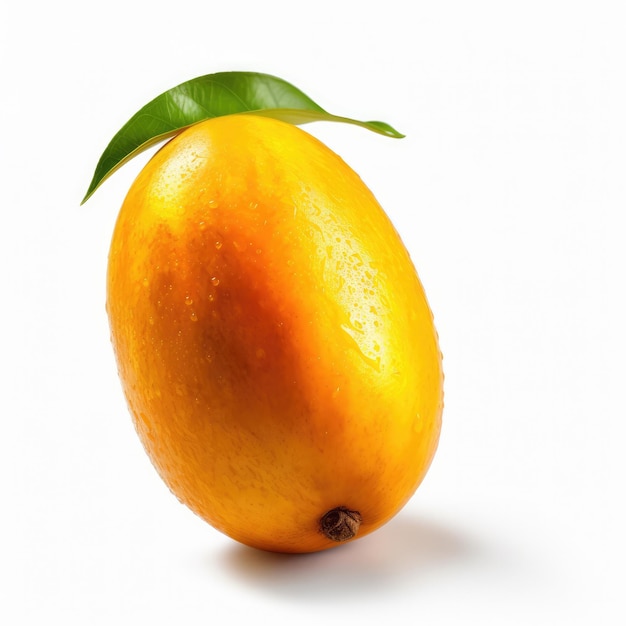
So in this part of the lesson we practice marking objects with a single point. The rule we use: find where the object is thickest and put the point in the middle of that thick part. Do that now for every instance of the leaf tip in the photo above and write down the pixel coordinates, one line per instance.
(90, 191)
(385, 129)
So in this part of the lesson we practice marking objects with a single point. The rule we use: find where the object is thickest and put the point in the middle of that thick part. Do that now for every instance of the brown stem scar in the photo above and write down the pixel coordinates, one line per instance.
(340, 523)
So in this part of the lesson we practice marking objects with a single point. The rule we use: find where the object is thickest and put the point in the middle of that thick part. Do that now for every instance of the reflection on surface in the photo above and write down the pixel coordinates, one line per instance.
(399, 555)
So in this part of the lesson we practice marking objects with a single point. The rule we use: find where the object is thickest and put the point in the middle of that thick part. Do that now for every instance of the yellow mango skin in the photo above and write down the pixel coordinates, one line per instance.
(273, 339)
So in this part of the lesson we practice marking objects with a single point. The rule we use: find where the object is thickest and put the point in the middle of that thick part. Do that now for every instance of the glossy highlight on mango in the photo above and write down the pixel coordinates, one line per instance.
(274, 342)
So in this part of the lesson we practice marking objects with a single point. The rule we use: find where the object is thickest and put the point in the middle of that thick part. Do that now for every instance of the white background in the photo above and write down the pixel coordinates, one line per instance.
(509, 191)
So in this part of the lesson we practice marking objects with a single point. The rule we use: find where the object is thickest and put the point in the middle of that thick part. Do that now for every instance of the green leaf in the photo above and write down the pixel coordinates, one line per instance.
(213, 95)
